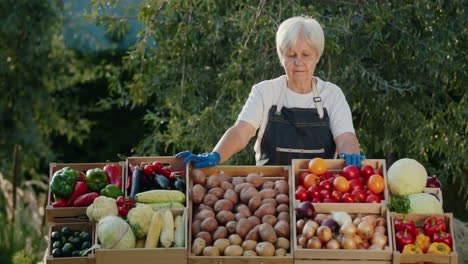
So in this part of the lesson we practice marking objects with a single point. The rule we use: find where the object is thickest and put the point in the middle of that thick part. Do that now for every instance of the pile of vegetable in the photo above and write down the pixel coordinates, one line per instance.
(239, 216)
(70, 243)
(339, 230)
(157, 185)
(351, 185)
(71, 188)
(432, 238)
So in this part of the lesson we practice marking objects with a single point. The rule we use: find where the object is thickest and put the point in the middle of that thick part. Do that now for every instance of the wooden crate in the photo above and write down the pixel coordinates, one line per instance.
(83, 226)
(173, 255)
(66, 214)
(336, 165)
(271, 173)
(173, 163)
(307, 255)
(433, 258)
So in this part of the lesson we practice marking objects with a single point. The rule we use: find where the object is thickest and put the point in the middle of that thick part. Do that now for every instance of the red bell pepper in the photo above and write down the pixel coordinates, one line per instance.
(402, 224)
(82, 177)
(403, 238)
(442, 237)
(114, 176)
(60, 203)
(85, 199)
(418, 231)
(433, 225)
(80, 189)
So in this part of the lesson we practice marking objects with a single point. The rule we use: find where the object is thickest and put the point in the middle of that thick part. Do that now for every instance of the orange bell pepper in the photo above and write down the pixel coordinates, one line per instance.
(423, 242)
(438, 248)
(412, 249)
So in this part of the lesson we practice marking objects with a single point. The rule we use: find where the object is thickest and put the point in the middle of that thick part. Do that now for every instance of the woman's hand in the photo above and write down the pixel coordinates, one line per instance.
(200, 161)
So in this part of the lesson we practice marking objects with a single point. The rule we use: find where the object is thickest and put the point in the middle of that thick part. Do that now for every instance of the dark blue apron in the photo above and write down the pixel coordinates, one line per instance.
(296, 133)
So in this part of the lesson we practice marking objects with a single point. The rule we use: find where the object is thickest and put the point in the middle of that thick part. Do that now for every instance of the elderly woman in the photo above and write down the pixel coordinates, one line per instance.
(299, 116)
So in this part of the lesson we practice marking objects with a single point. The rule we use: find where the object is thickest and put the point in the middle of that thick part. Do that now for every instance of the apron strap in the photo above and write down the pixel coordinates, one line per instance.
(280, 102)
(317, 100)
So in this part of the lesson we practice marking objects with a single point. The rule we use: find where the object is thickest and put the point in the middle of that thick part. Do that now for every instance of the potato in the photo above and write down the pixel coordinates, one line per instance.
(270, 201)
(202, 207)
(270, 219)
(235, 239)
(254, 203)
(212, 181)
(282, 198)
(242, 208)
(209, 224)
(255, 179)
(265, 209)
(268, 185)
(239, 216)
(210, 251)
(220, 232)
(243, 227)
(281, 186)
(222, 244)
(202, 215)
(226, 185)
(282, 208)
(198, 177)
(205, 236)
(249, 245)
(218, 192)
(198, 246)
(281, 252)
(250, 253)
(231, 227)
(224, 217)
(232, 196)
(237, 180)
(283, 216)
(282, 229)
(225, 178)
(223, 205)
(233, 250)
(282, 243)
(268, 193)
(265, 249)
(196, 227)
(238, 188)
(198, 193)
(267, 233)
(254, 220)
(253, 234)
(247, 193)
(210, 199)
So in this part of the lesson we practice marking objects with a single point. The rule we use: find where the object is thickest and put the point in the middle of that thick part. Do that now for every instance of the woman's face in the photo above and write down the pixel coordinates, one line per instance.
(300, 61)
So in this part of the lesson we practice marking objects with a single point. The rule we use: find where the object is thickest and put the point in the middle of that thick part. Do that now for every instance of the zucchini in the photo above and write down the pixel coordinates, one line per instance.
(160, 196)
(154, 231)
(167, 232)
(179, 224)
(137, 182)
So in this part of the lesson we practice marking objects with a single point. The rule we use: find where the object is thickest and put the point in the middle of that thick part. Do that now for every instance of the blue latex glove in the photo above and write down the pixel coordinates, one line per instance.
(200, 161)
(352, 159)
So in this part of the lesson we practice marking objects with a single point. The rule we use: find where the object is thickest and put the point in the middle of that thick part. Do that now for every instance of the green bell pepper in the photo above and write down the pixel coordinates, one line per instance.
(63, 182)
(111, 191)
(96, 179)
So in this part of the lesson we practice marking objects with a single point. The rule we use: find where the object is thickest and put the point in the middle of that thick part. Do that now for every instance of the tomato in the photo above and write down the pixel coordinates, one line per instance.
(350, 172)
(355, 184)
(317, 166)
(301, 194)
(328, 200)
(120, 201)
(325, 194)
(316, 200)
(369, 192)
(148, 170)
(359, 196)
(373, 198)
(311, 180)
(327, 175)
(326, 185)
(348, 198)
(341, 184)
(376, 183)
(363, 180)
(302, 176)
(367, 171)
(336, 196)
(313, 192)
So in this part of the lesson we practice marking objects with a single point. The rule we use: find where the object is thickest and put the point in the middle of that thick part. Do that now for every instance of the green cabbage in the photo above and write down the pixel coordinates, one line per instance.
(406, 176)
(424, 203)
(113, 232)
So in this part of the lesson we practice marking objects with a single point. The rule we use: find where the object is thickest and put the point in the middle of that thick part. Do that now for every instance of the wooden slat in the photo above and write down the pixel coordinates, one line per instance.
(334, 261)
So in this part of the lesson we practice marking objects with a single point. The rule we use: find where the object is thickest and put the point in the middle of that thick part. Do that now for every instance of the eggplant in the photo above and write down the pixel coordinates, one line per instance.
(163, 182)
(180, 185)
(137, 182)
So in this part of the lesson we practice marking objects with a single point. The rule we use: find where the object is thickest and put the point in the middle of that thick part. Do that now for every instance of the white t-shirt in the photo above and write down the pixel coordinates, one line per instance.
(266, 94)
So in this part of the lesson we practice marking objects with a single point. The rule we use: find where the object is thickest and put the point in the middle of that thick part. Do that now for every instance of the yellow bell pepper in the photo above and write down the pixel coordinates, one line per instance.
(438, 248)
(412, 249)
(423, 242)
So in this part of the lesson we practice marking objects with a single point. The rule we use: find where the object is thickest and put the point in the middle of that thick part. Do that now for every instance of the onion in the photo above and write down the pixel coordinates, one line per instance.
(380, 229)
(365, 230)
(433, 182)
(300, 225)
(324, 233)
(348, 242)
(348, 229)
(312, 223)
(365, 244)
(320, 217)
(379, 239)
(369, 219)
(358, 240)
(331, 224)
(305, 210)
(333, 244)
(357, 221)
(302, 241)
(314, 242)
(308, 231)
(341, 218)
(380, 221)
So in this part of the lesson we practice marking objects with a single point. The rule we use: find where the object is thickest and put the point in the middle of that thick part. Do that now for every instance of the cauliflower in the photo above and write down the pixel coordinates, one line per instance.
(424, 203)
(406, 176)
(102, 206)
(140, 219)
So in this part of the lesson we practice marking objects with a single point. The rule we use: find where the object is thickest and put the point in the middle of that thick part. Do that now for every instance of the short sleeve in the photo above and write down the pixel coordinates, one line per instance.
(341, 120)
(252, 111)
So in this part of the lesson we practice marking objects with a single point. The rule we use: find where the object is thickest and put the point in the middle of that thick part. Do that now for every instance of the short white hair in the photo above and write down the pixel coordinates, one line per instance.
(289, 31)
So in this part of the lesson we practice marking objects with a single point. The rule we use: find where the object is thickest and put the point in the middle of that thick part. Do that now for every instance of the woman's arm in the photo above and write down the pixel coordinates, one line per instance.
(234, 139)
(347, 143)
